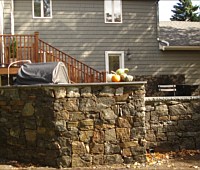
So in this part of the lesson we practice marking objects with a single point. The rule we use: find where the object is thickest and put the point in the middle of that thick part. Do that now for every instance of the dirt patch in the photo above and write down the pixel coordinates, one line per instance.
(186, 159)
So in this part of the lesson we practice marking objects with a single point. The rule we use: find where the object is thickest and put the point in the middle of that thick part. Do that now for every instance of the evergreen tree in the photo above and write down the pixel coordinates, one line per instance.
(185, 11)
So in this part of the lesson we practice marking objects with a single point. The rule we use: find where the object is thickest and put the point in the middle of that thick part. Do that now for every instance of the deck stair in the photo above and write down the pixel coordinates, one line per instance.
(31, 47)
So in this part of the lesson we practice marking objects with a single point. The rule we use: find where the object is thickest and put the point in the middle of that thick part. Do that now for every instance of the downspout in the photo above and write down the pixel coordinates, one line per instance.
(158, 30)
(157, 17)
(12, 17)
(157, 21)
(161, 47)
(163, 41)
(1, 16)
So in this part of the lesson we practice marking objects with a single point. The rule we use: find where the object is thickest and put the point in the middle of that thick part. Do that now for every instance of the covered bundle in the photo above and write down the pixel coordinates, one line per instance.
(42, 73)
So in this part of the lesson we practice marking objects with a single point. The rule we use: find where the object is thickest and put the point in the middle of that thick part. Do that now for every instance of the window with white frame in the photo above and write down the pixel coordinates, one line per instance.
(114, 60)
(113, 11)
(42, 8)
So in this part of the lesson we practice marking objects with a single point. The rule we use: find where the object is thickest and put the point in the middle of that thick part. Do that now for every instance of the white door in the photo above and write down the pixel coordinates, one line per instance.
(114, 60)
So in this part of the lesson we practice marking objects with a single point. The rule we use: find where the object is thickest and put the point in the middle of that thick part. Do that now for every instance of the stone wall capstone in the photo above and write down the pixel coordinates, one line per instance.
(73, 125)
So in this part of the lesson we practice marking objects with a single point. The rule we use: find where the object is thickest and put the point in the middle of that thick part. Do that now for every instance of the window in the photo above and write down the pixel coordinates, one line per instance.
(113, 11)
(42, 8)
(114, 60)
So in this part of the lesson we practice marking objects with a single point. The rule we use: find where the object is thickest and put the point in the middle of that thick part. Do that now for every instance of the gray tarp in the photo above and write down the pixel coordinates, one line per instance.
(42, 73)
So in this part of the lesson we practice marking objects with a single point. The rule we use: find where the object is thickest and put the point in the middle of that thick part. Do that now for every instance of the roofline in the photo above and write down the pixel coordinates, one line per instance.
(180, 48)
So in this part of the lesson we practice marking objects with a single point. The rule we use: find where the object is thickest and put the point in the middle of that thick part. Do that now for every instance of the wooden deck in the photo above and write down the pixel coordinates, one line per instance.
(12, 70)
(15, 48)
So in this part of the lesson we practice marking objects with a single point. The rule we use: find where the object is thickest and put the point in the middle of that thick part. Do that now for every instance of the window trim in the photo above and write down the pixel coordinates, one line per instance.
(121, 59)
(113, 22)
(42, 9)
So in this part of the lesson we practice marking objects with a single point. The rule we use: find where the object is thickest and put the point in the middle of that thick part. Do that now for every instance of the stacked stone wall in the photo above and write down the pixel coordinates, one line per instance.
(73, 126)
(173, 123)
(86, 125)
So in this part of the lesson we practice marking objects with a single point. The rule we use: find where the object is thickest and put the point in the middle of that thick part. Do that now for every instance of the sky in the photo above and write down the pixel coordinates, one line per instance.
(165, 7)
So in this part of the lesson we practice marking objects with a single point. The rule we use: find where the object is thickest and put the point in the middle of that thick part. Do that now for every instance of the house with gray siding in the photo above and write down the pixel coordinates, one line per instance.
(180, 49)
(104, 34)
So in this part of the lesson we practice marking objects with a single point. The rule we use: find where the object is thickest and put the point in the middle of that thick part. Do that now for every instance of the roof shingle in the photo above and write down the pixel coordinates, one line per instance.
(180, 33)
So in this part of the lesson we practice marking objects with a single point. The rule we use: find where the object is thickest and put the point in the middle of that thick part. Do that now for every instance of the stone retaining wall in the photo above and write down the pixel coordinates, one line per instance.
(73, 126)
(173, 123)
(94, 124)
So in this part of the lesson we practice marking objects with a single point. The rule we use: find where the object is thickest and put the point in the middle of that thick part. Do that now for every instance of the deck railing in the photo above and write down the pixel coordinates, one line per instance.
(16, 47)
(31, 47)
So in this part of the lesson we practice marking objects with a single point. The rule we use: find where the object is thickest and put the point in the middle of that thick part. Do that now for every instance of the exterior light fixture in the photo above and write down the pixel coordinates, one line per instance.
(128, 54)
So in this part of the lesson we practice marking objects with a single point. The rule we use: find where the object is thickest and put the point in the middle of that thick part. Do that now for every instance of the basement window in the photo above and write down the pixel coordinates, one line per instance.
(113, 11)
(42, 8)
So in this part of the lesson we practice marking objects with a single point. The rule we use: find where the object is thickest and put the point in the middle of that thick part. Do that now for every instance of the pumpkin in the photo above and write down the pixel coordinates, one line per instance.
(123, 76)
(129, 78)
(116, 78)
(122, 71)
(109, 77)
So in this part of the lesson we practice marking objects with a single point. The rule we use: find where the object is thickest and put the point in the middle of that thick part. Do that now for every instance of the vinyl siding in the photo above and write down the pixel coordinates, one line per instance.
(77, 27)
(7, 17)
(181, 62)
(1, 16)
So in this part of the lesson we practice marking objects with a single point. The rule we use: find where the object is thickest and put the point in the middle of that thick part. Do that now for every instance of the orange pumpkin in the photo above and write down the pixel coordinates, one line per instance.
(116, 78)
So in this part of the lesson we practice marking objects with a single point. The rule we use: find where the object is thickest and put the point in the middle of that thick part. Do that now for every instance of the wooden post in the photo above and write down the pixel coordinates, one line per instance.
(104, 76)
(36, 37)
(92, 80)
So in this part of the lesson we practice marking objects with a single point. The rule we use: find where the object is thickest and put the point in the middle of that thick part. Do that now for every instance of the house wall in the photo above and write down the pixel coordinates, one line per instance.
(7, 17)
(180, 62)
(1, 16)
(77, 27)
